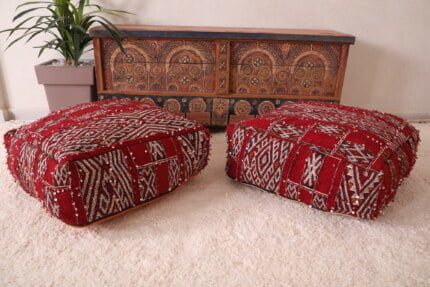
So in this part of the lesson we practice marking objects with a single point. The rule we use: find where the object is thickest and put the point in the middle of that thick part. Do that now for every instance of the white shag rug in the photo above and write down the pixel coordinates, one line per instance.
(215, 232)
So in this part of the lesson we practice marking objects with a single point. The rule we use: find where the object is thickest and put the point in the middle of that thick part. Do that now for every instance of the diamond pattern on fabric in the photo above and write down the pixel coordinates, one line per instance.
(92, 161)
(331, 157)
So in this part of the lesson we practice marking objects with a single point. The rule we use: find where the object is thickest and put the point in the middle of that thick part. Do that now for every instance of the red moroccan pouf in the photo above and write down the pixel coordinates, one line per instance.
(331, 157)
(95, 160)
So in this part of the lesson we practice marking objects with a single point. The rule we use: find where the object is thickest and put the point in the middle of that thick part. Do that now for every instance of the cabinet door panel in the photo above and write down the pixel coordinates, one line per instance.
(281, 68)
(160, 65)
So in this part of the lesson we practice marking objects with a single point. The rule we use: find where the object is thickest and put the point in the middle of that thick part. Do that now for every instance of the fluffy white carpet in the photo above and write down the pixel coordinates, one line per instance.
(215, 232)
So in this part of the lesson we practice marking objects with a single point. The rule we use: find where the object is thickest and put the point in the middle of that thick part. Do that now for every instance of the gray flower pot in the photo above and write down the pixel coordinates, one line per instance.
(66, 85)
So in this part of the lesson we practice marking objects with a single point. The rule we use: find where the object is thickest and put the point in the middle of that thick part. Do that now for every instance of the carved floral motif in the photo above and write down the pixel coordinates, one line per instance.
(197, 105)
(243, 108)
(173, 106)
(265, 107)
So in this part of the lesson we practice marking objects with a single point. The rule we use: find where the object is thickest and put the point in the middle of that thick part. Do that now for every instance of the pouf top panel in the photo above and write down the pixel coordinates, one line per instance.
(94, 128)
(360, 136)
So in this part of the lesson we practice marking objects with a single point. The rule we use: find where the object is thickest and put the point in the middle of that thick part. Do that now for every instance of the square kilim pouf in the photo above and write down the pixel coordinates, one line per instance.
(331, 157)
(95, 160)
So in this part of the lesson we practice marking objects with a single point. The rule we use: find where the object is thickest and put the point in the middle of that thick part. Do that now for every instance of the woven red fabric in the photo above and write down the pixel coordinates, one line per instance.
(95, 160)
(332, 157)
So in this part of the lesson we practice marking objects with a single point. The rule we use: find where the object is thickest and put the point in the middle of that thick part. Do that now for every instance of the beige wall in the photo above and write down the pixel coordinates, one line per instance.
(388, 68)
(3, 98)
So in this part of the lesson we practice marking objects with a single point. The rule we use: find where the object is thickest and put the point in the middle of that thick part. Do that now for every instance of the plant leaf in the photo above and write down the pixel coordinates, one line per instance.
(67, 22)
(32, 3)
(19, 15)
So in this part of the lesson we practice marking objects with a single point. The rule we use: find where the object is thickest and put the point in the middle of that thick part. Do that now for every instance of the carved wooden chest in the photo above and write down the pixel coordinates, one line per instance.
(220, 75)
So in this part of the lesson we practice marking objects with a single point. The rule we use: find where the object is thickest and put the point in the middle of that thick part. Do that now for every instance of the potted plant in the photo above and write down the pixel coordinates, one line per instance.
(70, 80)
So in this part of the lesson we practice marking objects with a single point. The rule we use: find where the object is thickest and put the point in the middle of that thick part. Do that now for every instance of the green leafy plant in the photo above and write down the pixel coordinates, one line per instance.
(66, 21)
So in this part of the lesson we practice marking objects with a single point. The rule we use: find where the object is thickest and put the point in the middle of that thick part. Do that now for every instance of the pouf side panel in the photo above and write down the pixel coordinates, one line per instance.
(296, 171)
(249, 150)
(22, 162)
(43, 177)
(105, 184)
(236, 136)
(62, 197)
(359, 189)
(263, 161)
(138, 173)
(358, 192)
(12, 149)
(397, 167)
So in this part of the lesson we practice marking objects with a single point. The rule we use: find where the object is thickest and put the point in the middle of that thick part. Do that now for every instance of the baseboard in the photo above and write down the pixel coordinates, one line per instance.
(4, 115)
(27, 115)
(415, 117)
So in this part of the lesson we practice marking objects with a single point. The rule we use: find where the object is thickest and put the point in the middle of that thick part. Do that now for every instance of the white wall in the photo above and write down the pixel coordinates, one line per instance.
(388, 68)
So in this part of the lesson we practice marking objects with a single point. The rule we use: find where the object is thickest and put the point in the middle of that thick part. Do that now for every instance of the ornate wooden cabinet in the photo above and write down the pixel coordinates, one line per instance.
(221, 75)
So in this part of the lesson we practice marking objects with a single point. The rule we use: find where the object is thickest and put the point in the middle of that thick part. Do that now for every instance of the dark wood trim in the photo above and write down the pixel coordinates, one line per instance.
(161, 93)
(212, 95)
(99, 64)
(341, 72)
(178, 32)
